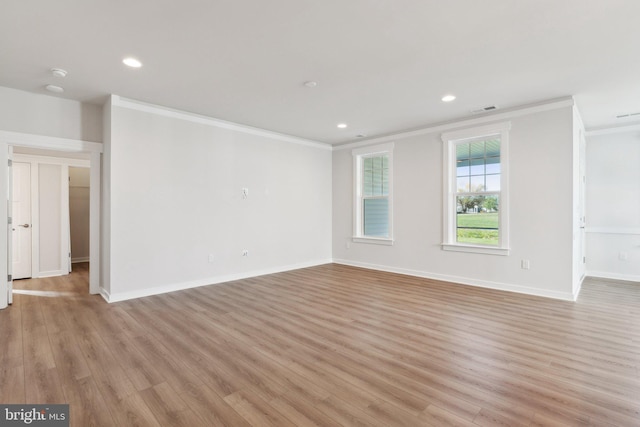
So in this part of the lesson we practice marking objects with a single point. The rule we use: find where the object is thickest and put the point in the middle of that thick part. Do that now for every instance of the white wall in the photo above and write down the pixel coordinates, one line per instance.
(49, 115)
(541, 211)
(613, 205)
(175, 197)
(171, 196)
(79, 213)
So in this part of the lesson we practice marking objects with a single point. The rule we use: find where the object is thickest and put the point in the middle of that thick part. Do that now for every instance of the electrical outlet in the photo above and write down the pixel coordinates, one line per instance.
(245, 252)
(211, 257)
(525, 264)
(245, 193)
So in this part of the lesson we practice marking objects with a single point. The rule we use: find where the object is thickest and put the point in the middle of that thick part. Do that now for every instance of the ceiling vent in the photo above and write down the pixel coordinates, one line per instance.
(624, 116)
(485, 109)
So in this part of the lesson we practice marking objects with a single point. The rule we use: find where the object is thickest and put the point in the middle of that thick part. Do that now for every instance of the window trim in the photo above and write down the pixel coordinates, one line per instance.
(450, 140)
(358, 227)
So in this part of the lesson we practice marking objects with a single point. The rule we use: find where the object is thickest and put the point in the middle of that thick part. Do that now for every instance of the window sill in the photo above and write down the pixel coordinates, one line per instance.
(475, 249)
(373, 240)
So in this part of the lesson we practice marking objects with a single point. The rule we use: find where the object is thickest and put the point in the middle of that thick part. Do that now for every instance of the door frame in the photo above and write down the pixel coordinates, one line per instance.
(94, 151)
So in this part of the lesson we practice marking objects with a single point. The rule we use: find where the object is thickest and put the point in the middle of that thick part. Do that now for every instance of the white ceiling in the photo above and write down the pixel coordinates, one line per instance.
(381, 65)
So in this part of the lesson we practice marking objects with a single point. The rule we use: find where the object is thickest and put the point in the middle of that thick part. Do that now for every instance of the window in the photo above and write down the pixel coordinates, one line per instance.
(373, 194)
(476, 205)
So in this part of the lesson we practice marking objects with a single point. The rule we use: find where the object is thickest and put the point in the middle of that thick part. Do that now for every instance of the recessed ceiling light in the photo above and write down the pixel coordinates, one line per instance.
(58, 72)
(448, 98)
(54, 88)
(132, 62)
(311, 83)
(342, 125)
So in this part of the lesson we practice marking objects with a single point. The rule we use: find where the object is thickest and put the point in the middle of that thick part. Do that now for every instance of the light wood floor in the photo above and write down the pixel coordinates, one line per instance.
(327, 346)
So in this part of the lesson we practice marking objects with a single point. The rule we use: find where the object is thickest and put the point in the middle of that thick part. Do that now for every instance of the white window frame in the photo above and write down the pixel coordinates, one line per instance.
(450, 140)
(358, 224)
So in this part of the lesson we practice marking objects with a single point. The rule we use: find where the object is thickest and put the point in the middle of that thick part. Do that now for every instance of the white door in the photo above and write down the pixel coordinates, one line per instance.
(21, 221)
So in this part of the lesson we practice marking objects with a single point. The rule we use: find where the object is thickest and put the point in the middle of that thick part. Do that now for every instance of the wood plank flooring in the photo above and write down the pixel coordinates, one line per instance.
(325, 346)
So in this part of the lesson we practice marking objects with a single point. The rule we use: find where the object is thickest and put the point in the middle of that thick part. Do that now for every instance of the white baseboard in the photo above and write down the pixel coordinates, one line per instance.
(576, 292)
(52, 273)
(105, 294)
(614, 276)
(123, 296)
(566, 296)
(80, 259)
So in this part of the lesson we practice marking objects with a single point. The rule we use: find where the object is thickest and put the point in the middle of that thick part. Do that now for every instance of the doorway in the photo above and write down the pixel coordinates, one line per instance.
(91, 152)
(79, 214)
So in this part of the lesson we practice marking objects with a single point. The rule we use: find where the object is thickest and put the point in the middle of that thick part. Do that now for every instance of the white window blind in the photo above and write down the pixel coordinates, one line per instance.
(373, 206)
(375, 196)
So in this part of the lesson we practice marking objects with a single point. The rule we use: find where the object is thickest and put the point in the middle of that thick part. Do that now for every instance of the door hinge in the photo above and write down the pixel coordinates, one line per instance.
(10, 162)
(9, 278)
(9, 220)
(584, 259)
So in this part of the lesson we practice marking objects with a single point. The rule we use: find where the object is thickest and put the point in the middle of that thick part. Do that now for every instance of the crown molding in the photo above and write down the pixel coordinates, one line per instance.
(118, 101)
(611, 130)
(491, 117)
